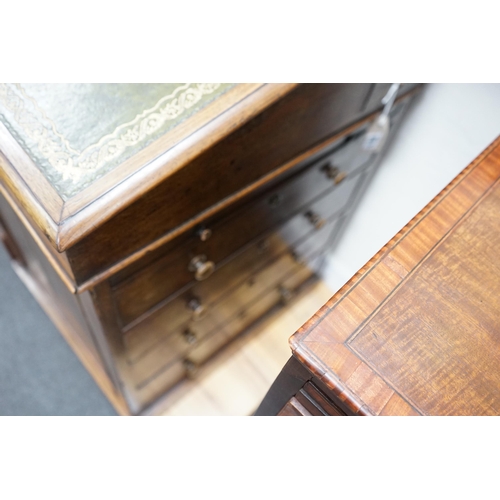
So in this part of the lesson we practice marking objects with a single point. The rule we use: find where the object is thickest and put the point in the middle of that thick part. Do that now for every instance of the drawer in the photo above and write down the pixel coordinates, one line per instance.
(139, 293)
(178, 343)
(152, 362)
(151, 379)
(171, 334)
(167, 316)
(283, 277)
(146, 334)
(148, 389)
(276, 296)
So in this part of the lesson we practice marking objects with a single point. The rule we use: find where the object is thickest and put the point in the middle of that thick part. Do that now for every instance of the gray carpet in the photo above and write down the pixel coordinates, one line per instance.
(39, 374)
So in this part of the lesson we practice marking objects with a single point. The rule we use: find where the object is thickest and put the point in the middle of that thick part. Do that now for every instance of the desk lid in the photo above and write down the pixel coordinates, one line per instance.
(417, 330)
(65, 146)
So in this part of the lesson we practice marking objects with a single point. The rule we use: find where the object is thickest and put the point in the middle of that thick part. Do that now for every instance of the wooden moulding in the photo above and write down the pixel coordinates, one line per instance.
(190, 224)
(108, 271)
(62, 273)
(328, 344)
(64, 223)
(44, 217)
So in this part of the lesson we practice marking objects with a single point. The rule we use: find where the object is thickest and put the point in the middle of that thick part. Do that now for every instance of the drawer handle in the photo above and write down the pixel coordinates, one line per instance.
(334, 173)
(315, 219)
(201, 267)
(199, 310)
(204, 233)
(190, 367)
(189, 336)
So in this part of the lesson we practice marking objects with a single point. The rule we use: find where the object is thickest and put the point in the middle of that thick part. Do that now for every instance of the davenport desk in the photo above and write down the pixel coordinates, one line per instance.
(155, 223)
(417, 330)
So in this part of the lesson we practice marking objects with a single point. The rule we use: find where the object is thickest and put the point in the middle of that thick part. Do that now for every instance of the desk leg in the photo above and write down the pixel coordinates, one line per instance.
(287, 384)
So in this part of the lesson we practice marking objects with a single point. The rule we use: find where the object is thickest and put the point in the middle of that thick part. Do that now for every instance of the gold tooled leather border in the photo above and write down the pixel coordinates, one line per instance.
(73, 164)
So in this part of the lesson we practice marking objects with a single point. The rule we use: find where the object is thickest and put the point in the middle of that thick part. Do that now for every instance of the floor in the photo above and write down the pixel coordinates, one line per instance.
(447, 127)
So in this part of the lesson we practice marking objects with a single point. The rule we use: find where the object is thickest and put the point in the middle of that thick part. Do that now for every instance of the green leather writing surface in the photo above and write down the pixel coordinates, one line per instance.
(75, 133)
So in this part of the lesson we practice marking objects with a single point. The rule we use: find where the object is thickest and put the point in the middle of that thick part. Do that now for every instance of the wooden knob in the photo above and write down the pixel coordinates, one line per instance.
(201, 267)
(334, 173)
(189, 336)
(315, 219)
(199, 310)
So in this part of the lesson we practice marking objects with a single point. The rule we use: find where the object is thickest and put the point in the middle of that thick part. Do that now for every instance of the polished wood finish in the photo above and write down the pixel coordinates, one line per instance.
(271, 179)
(224, 207)
(415, 331)
(302, 118)
(58, 261)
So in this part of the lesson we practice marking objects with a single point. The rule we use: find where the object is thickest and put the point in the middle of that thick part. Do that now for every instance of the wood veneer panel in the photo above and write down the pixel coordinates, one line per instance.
(421, 317)
(437, 340)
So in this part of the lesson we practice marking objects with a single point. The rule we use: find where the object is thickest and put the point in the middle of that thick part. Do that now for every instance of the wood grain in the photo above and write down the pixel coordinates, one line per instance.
(226, 205)
(11, 182)
(221, 209)
(57, 261)
(127, 243)
(416, 330)
(301, 119)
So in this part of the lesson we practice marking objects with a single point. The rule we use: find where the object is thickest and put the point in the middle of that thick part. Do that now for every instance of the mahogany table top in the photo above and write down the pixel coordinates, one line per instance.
(417, 329)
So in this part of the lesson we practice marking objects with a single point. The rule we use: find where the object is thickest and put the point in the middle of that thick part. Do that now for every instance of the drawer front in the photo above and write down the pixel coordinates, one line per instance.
(277, 295)
(194, 336)
(176, 314)
(181, 309)
(174, 272)
(158, 342)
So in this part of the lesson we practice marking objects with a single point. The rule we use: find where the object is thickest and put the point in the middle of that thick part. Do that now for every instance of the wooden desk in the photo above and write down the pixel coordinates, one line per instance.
(417, 330)
(155, 223)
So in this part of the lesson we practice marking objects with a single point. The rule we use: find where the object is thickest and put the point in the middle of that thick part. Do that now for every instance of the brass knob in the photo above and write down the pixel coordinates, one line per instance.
(201, 267)
(189, 336)
(334, 173)
(190, 368)
(204, 233)
(315, 219)
(199, 310)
